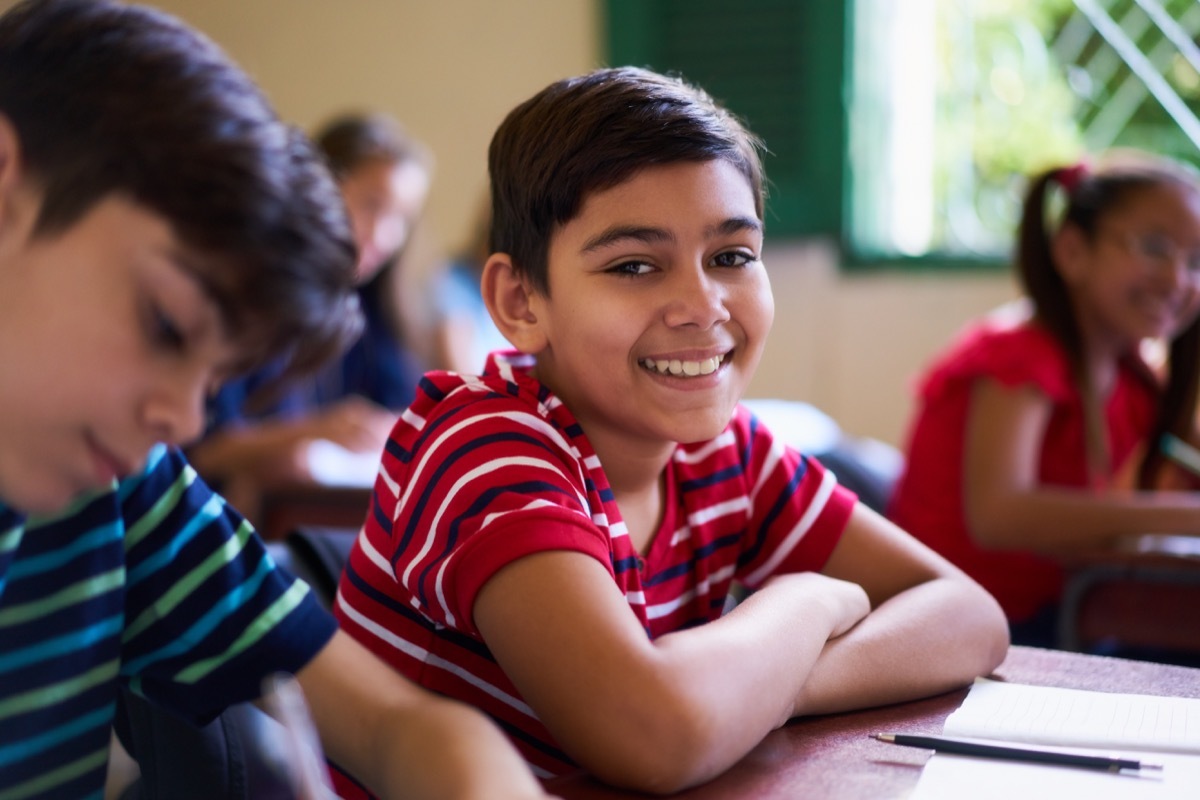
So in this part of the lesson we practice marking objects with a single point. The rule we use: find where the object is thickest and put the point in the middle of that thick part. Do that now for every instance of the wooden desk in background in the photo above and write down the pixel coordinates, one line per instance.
(283, 510)
(834, 758)
(1145, 594)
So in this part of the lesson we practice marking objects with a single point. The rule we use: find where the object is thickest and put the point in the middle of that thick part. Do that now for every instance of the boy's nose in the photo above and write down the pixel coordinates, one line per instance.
(696, 299)
(175, 414)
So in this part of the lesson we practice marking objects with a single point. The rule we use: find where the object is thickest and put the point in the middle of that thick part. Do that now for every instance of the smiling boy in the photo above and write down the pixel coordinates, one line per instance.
(555, 541)
(160, 230)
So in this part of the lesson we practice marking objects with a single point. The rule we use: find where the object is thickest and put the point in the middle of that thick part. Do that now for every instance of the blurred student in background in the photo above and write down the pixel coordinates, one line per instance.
(1040, 436)
(259, 434)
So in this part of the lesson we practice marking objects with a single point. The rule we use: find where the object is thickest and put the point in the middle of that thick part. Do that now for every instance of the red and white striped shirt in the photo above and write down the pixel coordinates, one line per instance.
(481, 471)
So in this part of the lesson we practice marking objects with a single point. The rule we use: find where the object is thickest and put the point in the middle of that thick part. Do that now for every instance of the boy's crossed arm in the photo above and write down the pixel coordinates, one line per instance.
(660, 715)
(931, 628)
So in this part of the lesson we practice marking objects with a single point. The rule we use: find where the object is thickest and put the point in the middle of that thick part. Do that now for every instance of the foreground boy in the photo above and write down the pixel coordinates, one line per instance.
(160, 229)
(555, 541)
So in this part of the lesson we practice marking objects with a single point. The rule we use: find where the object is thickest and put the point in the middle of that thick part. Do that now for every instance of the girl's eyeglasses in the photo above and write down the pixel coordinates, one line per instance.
(1158, 249)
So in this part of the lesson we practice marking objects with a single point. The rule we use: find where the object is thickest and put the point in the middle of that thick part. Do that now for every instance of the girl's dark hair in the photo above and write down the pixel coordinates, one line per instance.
(1091, 196)
(589, 133)
(114, 99)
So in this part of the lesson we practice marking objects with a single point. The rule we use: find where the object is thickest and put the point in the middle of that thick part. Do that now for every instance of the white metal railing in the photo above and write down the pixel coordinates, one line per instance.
(1146, 67)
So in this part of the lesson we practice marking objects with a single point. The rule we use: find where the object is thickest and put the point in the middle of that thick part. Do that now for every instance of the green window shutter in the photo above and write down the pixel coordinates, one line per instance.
(779, 65)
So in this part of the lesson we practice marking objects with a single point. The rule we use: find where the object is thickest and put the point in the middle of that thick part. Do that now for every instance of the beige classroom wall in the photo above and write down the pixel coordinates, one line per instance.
(853, 342)
(450, 69)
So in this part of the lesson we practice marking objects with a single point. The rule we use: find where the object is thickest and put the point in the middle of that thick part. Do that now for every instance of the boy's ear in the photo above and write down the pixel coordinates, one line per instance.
(510, 301)
(11, 173)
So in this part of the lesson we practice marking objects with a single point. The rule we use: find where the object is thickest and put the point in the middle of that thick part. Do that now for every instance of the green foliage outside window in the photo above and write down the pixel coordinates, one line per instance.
(907, 129)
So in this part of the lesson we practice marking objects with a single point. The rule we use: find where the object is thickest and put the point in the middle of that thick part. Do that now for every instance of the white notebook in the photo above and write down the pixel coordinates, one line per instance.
(1076, 718)
(1165, 730)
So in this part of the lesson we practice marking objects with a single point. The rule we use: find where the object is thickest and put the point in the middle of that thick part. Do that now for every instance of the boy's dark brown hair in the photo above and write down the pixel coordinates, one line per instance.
(113, 99)
(589, 133)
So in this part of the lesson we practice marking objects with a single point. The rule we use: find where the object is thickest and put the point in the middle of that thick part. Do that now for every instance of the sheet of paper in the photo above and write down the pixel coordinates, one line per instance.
(1149, 726)
(1075, 718)
(949, 777)
(333, 465)
(1172, 544)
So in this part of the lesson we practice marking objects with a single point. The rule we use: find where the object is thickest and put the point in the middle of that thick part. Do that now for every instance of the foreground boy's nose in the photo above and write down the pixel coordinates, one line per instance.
(695, 299)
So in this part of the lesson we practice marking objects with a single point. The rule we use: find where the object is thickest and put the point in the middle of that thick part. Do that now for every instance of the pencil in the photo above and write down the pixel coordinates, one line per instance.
(943, 744)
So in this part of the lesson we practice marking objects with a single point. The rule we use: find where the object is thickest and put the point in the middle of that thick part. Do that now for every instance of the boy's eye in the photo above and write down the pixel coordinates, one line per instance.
(631, 268)
(165, 332)
(733, 258)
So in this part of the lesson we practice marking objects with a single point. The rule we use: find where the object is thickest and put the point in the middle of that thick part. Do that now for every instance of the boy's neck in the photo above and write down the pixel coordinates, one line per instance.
(635, 473)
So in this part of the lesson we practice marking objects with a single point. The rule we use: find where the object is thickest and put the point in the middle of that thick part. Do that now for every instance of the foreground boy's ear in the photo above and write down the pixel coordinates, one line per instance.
(508, 297)
(10, 175)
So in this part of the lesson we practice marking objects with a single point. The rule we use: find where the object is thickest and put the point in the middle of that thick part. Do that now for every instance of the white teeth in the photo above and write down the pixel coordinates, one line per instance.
(679, 368)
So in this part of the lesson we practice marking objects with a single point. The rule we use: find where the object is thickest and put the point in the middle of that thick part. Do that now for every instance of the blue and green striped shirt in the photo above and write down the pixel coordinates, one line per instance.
(155, 584)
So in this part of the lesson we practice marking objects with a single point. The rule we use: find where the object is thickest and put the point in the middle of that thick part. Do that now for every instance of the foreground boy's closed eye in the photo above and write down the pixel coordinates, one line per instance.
(554, 541)
(161, 229)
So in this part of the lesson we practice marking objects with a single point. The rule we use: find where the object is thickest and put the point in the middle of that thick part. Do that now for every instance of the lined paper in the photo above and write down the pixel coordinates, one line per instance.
(1073, 717)
(1158, 729)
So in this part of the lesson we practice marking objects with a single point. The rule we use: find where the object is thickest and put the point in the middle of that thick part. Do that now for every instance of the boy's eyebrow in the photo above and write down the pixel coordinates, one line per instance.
(617, 233)
(652, 235)
(734, 225)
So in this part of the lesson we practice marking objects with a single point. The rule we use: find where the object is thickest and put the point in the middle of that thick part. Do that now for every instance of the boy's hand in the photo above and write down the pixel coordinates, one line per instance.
(355, 423)
(843, 603)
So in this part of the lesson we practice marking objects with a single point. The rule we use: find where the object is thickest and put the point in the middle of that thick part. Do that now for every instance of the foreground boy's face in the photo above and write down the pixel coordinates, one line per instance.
(658, 306)
(107, 345)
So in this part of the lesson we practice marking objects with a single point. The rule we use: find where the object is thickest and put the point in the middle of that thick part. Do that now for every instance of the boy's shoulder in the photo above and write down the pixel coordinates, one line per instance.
(505, 396)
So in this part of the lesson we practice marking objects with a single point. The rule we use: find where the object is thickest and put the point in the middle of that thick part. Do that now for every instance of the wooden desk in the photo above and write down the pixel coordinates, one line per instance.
(833, 758)
(282, 510)
(1144, 594)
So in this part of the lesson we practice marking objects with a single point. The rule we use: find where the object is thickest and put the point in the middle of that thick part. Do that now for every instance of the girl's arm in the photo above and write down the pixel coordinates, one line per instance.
(931, 629)
(1007, 508)
(664, 714)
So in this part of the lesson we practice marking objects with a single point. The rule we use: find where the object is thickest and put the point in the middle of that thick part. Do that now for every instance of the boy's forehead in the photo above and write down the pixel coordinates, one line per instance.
(651, 194)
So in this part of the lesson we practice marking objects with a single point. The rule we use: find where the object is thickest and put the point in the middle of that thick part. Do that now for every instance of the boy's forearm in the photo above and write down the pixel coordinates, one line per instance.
(732, 681)
(929, 639)
(441, 749)
(401, 740)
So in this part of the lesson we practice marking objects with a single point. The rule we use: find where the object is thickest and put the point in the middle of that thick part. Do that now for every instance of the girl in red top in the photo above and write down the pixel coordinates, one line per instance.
(1038, 436)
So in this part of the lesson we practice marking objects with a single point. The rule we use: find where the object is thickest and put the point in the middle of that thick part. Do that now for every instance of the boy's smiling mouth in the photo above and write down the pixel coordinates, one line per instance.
(678, 368)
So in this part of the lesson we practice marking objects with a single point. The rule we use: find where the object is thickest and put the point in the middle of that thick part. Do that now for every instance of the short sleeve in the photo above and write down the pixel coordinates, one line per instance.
(487, 486)
(208, 613)
(1023, 355)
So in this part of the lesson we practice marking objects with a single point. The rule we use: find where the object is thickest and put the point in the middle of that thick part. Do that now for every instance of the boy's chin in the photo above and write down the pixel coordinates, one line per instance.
(45, 498)
(701, 426)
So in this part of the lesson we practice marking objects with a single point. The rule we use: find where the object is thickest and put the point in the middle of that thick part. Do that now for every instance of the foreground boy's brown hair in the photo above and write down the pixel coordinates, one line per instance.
(161, 230)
